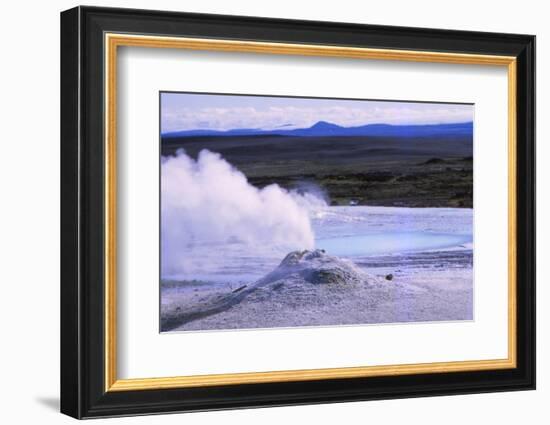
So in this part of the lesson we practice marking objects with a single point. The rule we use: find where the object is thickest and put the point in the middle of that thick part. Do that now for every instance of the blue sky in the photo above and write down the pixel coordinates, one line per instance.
(185, 111)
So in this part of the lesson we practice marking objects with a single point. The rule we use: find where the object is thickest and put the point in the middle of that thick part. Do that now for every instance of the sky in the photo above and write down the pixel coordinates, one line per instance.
(191, 111)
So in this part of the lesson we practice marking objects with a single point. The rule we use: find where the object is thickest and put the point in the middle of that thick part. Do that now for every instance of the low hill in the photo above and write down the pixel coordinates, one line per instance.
(326, 129)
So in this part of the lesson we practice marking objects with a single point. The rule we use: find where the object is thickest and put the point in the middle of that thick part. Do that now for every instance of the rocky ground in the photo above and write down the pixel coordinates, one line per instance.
(375, 171)
(312, 288)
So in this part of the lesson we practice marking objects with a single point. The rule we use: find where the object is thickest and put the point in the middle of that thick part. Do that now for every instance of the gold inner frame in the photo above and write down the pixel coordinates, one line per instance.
(113, 41)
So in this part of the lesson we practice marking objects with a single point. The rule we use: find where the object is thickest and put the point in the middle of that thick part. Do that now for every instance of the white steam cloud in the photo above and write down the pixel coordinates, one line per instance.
(209, 210)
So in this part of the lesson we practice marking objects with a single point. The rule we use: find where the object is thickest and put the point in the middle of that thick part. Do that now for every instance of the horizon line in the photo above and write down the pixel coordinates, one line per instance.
(284, 129)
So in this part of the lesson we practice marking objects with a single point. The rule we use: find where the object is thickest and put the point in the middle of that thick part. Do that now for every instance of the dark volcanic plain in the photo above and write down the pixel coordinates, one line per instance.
(433, 171)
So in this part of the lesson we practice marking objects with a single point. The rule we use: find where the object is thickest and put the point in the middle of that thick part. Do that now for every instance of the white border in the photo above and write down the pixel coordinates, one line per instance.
(143, 352)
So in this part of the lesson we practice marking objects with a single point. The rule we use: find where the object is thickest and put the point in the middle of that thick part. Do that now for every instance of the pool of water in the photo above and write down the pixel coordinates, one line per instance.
(352, 232)
(390, 242)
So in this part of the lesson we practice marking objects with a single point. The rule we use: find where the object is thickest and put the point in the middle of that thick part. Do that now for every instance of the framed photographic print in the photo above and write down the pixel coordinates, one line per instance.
(261, 212)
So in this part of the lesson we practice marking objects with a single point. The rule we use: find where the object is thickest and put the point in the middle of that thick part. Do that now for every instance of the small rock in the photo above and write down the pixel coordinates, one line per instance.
(239, 289)
(389, 276)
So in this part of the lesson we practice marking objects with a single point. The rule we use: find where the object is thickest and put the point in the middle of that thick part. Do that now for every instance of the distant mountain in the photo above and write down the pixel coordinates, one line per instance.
(327, 129)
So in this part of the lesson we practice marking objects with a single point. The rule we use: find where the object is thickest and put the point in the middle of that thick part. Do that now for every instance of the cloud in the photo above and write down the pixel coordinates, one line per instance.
(357, 113)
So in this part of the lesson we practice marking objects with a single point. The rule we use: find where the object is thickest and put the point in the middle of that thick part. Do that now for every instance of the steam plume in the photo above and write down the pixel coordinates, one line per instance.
(208, 205)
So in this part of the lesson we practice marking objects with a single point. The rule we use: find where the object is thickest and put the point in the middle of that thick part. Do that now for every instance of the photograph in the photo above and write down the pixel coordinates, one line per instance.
(281, 212)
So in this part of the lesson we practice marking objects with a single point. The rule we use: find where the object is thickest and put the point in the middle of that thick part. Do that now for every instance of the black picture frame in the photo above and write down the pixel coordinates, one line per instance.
(83, 392)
